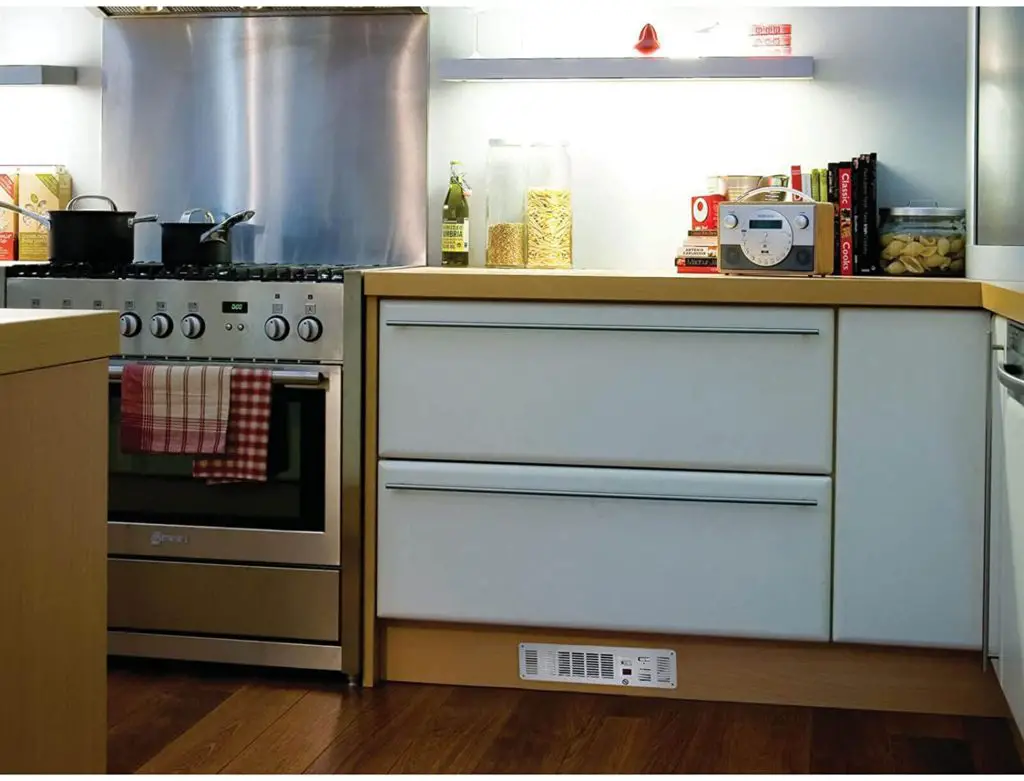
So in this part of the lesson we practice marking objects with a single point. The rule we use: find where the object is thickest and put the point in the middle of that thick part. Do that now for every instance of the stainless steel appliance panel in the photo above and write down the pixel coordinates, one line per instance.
(227, 330)
(1000, 123)
(319, 123)
(251, 601)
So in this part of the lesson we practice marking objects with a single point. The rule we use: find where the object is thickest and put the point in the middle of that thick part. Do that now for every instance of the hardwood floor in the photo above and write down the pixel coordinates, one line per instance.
(173, 718)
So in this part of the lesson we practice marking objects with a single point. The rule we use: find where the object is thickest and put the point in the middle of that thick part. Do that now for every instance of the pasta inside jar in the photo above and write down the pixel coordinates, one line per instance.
(548, 228)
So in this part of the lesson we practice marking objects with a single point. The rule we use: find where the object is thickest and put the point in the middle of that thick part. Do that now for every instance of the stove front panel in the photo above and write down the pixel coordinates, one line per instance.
(173, 318)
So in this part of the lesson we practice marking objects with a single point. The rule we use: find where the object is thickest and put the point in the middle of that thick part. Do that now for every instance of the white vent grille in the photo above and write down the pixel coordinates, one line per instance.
(601, 665)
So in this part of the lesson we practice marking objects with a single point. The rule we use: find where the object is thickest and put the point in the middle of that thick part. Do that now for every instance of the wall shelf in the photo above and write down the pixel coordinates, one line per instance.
(37, 75)
(624, 68)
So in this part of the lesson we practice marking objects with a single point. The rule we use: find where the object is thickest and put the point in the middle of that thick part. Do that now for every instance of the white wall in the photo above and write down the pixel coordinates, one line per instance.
(888, 80)
(52, 124)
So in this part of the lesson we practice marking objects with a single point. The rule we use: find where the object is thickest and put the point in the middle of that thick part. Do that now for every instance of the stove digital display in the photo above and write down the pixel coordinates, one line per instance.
(234, 307)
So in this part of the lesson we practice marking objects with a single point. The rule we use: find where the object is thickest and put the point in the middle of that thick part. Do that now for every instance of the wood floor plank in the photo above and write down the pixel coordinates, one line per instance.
(767, 739)
(148, 718)
(931, 756)
(850, 742)
(668, 729)
(544, 729)
(181, 718)
(455, 737)
(374, 740)
(610, 748)
(294, 741)
(992, 746)
(226, 731)
(924, 725)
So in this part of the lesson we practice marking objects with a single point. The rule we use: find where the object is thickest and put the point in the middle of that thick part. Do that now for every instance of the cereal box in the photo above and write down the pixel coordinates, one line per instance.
(8, 219)
(40, 189)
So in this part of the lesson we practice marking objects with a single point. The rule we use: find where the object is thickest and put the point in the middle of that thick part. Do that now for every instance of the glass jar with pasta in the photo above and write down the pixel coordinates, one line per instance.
(922, 240)
(549, 207)
(506, 203)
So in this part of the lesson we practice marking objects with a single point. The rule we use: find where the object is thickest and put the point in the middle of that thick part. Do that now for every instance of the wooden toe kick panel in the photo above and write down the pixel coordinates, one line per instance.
(782, 673)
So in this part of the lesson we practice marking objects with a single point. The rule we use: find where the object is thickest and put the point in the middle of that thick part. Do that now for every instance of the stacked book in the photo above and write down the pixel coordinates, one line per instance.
(851, 187)
(699, 253)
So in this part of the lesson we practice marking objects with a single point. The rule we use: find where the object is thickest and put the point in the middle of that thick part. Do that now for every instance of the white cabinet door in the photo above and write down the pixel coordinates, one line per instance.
(1011, 662)
(677, 387)
(649, 551)
(910, 477)
(998, 519)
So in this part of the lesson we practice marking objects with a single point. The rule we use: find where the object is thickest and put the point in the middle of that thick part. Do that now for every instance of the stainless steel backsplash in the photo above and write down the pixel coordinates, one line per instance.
(319, 123)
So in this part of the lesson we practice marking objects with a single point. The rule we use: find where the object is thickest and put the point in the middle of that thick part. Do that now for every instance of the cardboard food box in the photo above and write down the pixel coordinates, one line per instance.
(40, 189)
(8, 219)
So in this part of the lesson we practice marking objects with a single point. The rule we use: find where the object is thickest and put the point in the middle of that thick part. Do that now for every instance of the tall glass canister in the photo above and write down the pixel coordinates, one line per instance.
(549, 207)
(506, 203)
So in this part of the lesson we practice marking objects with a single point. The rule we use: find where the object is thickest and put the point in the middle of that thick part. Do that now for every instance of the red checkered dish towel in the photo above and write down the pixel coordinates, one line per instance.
(248, 432)
(174, 409)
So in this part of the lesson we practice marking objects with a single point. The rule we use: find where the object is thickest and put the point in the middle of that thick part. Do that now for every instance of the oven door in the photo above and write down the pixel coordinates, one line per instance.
(158, 510)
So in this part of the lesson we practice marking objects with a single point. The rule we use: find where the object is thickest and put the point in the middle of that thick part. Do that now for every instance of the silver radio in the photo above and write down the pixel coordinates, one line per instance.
(775, 238)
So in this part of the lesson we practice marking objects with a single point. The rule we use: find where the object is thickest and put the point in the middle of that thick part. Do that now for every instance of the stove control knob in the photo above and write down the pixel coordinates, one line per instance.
(192, 326)
(276, 328)
(730, 221)
(310, 329)
(161, 326)
(131, 324)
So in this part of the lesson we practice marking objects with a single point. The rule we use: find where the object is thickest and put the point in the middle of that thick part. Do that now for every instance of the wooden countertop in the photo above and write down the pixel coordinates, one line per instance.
(37, 338)
(1005, 299)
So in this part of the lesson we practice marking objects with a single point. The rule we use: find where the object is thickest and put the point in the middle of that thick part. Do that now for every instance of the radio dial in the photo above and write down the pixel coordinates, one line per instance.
(801, 221)
(131, 324)
(730, 221)
(192, 326)
(276, 328)
(161, 326)
(310, 329)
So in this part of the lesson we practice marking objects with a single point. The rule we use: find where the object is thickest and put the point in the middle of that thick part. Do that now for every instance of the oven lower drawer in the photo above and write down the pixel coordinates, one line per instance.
(272, 603)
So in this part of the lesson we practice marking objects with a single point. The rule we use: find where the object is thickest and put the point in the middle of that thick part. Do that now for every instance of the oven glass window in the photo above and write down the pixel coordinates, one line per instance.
(160, 489)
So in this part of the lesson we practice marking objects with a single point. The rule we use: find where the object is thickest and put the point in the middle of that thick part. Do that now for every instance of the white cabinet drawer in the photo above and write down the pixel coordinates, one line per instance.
(648, 551)
(679, 387)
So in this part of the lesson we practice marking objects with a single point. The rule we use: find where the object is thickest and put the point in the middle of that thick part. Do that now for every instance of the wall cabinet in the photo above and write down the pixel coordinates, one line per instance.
(910, 477)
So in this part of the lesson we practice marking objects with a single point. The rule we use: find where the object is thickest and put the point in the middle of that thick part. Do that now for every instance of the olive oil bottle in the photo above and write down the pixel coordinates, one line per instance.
(455, 221)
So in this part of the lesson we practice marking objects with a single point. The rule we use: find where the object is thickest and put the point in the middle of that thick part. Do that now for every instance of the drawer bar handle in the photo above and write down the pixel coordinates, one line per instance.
(656, 329)
(455, 489)
(1007, 380)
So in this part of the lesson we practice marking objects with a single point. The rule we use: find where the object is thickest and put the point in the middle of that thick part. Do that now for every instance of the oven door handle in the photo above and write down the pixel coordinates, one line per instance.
(277, 376)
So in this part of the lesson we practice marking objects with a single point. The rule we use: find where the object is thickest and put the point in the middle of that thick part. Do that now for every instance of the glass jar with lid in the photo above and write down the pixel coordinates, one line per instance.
(506, 204)
(924, 240)
(549, 207)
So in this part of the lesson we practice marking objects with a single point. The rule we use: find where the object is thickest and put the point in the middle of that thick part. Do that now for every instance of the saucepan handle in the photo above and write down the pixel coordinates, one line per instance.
(44, 221)
(79, 198)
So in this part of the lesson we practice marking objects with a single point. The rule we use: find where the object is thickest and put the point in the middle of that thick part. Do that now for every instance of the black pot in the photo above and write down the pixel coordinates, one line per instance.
(103, 239)
(180, 245)
(187, 243)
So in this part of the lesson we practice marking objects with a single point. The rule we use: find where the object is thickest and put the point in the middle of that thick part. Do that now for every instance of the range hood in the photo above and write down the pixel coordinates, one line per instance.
(122, 11)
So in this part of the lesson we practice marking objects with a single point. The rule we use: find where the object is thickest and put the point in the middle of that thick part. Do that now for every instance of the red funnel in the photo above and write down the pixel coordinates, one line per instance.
(648, 42)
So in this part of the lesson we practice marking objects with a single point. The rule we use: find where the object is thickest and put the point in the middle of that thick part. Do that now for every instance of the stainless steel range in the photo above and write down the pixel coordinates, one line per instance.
(256, 573)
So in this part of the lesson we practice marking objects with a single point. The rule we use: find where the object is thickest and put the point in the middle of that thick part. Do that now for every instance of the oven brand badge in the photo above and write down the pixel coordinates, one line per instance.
(156, 539)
